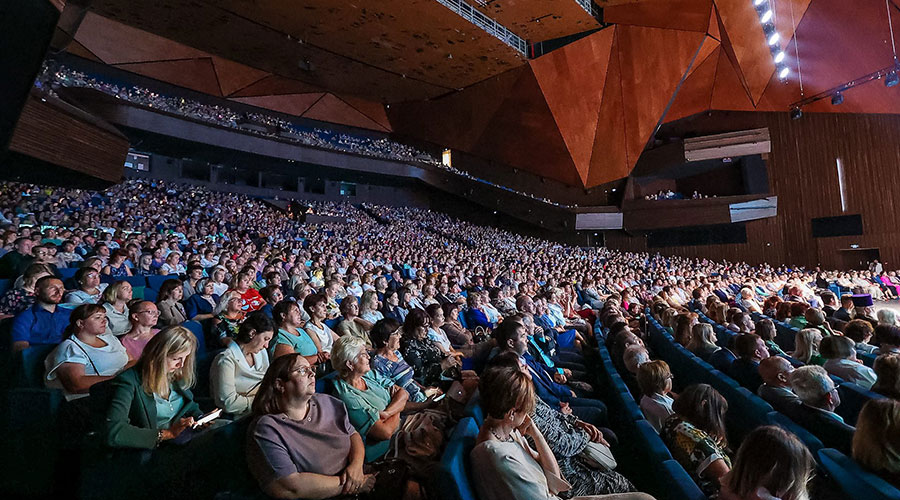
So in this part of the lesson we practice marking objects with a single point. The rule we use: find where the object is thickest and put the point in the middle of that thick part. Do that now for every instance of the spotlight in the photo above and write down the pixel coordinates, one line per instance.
(785, 71)
(779, 56)
(891, 79)
(757, 3)
(766, 17)
(796, 114)
(774, 38)
(837, 99)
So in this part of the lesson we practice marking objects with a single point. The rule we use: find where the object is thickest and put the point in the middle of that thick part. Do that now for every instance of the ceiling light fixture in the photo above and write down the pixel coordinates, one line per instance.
(796, 114)
(891, 79)
(774, 38)
(779, 56)
(837, 99)
(785, 71)
(766, 17)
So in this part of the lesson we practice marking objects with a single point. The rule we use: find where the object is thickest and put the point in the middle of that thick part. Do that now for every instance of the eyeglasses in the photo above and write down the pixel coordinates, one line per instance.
(305, 371)
(151, 313)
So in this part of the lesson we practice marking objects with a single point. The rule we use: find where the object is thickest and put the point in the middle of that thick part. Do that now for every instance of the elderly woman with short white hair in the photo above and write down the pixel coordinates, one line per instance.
(373, 401)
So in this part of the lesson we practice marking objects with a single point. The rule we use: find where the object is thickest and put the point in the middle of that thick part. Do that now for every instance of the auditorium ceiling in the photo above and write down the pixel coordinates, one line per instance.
(581, 114)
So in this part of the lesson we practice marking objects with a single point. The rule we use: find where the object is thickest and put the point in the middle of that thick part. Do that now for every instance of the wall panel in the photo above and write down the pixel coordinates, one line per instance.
(803, 174)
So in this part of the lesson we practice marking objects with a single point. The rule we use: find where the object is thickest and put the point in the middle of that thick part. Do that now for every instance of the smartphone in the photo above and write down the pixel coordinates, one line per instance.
(209, 417)
(440, 397)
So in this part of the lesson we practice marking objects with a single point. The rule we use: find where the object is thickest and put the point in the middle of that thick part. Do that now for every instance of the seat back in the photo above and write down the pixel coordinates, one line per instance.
(812, 443)
(677, 483)
(454, 473)
(197, 329)
(155, 281)
(28, 365)
(853, 397)
(856, 482)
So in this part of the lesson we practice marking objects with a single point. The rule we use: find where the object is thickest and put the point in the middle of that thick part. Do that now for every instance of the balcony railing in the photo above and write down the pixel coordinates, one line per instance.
(490, 26)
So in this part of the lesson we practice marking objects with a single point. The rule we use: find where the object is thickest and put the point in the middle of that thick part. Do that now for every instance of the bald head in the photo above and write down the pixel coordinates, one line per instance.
(775, 371)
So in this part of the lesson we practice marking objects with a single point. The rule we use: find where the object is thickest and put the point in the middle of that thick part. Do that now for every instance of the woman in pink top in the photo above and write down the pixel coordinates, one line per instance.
(143, 316)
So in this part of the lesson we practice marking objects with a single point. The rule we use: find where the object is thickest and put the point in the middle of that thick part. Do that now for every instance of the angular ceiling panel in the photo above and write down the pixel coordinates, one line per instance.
(292, 104)
(710, 44)
(332, 109)
(234, 76)
(194, 74)
(523, 133)
(747, 41)
(80, 50)
(609, 160)
(689, 15)
(695, 95)
(571, 80)
(713, 29)
(116, 43)
(788, 14)
(728, 92)
(275, 85)
(372, 110)
(653, 63)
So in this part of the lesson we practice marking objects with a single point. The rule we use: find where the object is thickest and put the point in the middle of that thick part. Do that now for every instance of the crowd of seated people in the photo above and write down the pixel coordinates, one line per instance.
(673, 195)
(149, 289)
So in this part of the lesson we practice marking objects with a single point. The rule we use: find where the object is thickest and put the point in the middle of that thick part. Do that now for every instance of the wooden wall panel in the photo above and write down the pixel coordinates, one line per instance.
(748, 43)
(689, 15)
(609, 159)
(803, 174)
(57, 133)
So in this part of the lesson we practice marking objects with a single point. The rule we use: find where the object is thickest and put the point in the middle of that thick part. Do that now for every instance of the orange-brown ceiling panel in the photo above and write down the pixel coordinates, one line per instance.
(728, 91)
(373, 110)
(523, 133)
(654, 61)
(292, 104)
(571, 79)
(538, 20)
(275, 85)
(116, 43)
(788, 14)
(80, 50)
(710, 44)
(695, 94)
(713, 28)
(235, 76)
(609, 160)
(331, 108)
(748, 43)
(194, 74)
(690, 15)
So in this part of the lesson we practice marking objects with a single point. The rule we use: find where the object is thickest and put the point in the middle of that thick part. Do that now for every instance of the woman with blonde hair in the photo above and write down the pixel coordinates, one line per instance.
(771, 463)
(719, 313)
(683, 324)
(115, 301)
(806, 347)
(152, 402)
(876, 442)
(703, 341)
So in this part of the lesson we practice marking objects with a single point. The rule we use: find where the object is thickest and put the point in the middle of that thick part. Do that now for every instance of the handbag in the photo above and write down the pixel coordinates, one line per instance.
(420, 440)
(599, 456)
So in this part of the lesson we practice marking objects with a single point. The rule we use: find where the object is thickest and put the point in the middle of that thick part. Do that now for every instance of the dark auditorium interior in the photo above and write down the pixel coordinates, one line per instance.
(450, 249)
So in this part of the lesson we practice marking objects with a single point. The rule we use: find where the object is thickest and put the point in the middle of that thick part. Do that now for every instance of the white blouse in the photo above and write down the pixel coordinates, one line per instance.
(105, 361)
(325, 334)
(233, 382)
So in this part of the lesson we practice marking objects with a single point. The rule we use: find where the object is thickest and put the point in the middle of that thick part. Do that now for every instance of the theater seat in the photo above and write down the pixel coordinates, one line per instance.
(324, 385)
(28, 365)
(867, 359)
(650, 444)
(853, 397)
(473, 408)
(67, 272)
(677, 483)
(856, 482)
(455, 467)
(155, 281)
(813, 443)
(197, 329)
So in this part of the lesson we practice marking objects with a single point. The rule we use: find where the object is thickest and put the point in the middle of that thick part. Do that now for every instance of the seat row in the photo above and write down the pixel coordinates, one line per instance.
(747, 411)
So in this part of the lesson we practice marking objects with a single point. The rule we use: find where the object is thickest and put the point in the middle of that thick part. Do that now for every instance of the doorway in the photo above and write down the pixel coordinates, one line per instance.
(858, 258)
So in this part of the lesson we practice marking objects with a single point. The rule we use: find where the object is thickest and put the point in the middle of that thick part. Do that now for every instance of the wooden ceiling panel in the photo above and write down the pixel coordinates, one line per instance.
(194, 74)
(609, 160)
(523, 133)
(457, 120)
(653, 63)
(292, 104)
(207, 27)
(80, 50)
(788, 14)
(695, 95)
(116, 43)
(373, 110)
(709, 46)
(728, 92)
(234, 76)
(690, 15)
(418, 38)
(276, 85)
(572, 81)
(331, 108)
(748, 43)
(538, 20)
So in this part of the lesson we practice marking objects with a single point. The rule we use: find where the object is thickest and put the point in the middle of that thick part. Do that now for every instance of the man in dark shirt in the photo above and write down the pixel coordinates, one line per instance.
(845, 313)
(829, 304)
(13, 264)
(776, 388)
(751, 349)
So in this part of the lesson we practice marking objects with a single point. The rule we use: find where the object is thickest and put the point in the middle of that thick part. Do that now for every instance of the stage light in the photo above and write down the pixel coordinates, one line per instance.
(796, 114)
(779, 56)
(837, 99)
(785, 71)
(766, 17)
(891, 79)
(774, 38)
(757, 3)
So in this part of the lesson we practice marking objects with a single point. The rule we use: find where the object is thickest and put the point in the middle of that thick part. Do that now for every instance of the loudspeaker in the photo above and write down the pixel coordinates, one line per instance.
(27, 27)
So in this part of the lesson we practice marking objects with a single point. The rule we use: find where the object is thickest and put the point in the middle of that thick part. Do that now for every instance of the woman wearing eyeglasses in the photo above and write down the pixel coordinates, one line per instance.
(387, 360)
(143, 315)
(302, 444)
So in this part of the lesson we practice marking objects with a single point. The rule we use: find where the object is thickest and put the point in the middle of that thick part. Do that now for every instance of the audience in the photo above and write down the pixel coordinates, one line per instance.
(43, 322)
(887, 371)
(171, 310)
(840, 355)
(143, 316)
(750, 350)
(655, 381)
(776, 390)
(115, 301)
